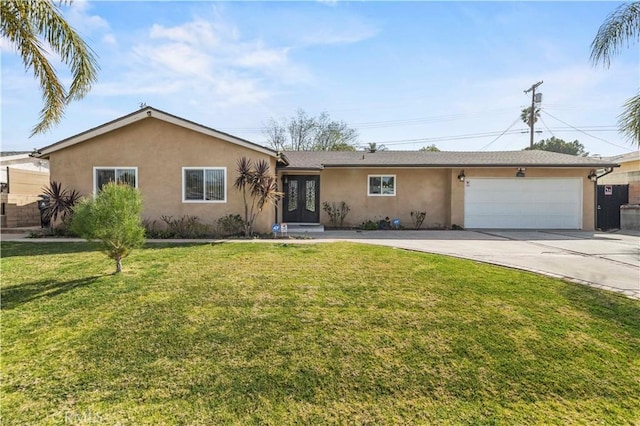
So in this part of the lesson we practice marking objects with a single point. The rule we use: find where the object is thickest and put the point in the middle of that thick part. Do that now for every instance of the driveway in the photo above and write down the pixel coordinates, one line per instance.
(604, 260)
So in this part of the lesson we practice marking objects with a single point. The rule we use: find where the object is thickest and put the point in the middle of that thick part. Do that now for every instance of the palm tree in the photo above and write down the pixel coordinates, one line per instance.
(525, 115)
(260, 185)
(619, 29)
(32, 24)
(374, 147)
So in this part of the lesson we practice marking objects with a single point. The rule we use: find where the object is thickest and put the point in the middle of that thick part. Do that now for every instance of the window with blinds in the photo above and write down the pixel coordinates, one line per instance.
(204, 184)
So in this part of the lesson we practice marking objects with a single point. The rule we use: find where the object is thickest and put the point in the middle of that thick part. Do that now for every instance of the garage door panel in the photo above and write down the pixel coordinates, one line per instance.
(522, 203)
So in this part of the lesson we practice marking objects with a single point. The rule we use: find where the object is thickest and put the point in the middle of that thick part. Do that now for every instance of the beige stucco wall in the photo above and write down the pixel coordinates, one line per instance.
(159, 150)
(21, 200)
(26, 182)
(416, 190)
(436, 191)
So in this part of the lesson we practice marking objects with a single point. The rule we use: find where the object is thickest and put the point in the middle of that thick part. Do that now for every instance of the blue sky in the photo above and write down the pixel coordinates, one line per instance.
(404, 74)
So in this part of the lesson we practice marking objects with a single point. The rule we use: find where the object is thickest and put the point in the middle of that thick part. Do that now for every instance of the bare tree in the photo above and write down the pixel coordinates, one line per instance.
(305, 133)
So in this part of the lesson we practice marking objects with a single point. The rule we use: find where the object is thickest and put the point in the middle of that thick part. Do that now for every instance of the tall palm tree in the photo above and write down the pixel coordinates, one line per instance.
(525, 115)
(620, 28)
(31, 25)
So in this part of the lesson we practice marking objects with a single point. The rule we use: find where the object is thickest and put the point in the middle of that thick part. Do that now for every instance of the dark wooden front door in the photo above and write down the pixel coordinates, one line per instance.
(301, 199)
(610, 198)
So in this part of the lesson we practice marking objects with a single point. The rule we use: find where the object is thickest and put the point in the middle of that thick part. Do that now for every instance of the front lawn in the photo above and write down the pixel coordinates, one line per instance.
(280, 333)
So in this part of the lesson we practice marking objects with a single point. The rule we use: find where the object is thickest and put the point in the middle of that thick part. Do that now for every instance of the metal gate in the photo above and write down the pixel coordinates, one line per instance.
(610, 198)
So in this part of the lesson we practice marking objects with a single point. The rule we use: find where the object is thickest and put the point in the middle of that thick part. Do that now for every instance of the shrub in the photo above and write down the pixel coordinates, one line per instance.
(418, 218)
(369, 225)
(185, 227)
(336, 212)
(230, 225)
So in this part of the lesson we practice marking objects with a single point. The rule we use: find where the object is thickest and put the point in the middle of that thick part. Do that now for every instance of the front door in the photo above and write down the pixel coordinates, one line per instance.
(301, 199)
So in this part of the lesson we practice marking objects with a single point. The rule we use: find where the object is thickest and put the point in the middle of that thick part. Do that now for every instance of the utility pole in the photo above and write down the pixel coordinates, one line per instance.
(532, 89)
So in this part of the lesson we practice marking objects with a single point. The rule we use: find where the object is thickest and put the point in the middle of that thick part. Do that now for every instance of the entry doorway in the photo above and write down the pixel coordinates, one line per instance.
(301, 202)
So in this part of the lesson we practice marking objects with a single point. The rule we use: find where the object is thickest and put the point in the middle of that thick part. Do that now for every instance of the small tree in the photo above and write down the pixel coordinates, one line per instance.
(258, 187)
(113, 217)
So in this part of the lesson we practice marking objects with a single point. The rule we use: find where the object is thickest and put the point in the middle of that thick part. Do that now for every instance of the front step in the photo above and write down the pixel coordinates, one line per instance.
(301, 228)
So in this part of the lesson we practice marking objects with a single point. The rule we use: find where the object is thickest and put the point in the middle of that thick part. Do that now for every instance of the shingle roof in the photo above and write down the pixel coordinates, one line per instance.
(317, 160)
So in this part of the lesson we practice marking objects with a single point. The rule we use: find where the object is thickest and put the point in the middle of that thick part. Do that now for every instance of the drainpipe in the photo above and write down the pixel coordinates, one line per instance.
(607, 170)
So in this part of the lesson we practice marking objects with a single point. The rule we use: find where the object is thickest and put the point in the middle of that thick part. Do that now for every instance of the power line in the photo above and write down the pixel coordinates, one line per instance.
(547, 127)
(501, 134)
(582, 131)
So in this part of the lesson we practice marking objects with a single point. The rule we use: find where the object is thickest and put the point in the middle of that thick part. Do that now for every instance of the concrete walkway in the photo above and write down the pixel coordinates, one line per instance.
(609, 261)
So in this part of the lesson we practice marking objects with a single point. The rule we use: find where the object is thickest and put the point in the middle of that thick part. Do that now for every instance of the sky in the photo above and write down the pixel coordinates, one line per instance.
(403, 74)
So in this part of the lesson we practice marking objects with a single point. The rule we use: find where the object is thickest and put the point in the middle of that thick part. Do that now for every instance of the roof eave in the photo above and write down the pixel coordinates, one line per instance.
(598, 165)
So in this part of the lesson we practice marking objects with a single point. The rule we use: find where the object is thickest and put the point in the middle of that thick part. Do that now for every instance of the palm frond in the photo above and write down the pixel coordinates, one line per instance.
(243, 167)
(22, 23)
(619, 29)
(629, 120)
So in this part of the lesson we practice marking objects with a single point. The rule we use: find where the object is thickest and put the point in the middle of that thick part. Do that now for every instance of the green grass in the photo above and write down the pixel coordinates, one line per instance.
(306, 334)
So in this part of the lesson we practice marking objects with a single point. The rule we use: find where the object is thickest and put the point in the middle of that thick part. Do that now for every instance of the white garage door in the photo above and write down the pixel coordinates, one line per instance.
(523, 203)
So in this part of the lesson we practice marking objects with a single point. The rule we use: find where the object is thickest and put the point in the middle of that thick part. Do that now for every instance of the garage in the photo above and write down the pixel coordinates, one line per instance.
(523, 203)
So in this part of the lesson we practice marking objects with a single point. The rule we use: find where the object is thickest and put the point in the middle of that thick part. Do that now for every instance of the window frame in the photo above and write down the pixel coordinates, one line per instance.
(204, 169)
(115, 169)
(381, 176)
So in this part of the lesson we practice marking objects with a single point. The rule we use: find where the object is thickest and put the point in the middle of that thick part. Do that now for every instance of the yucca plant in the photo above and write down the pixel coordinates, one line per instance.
(259, 188)
(59, 202)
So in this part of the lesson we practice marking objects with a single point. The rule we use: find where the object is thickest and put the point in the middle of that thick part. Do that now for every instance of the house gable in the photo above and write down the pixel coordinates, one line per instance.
(150, 113)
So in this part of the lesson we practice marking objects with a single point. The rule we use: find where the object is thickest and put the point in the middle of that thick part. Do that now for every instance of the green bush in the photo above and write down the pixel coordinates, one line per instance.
(230, 225)
(370, 225)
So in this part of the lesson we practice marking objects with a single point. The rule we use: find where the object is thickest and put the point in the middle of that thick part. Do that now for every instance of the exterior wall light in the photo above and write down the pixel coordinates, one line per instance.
(520, 172)
(461, 176)
(593, 176)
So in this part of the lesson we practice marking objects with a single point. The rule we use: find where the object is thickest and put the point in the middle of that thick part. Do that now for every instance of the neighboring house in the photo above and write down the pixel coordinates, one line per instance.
(619, 207)
(22, 179)
(184, 168)
(627, 174)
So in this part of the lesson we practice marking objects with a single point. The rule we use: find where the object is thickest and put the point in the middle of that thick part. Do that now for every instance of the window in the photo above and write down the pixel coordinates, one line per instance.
(383, 185)
(104, 175)
(204, 184)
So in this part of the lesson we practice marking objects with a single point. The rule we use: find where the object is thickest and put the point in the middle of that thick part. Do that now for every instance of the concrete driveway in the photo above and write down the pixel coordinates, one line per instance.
(605, 260)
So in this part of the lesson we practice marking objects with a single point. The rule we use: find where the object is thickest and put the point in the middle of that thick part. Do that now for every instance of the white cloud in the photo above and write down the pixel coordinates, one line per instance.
(78, 15)
(110, 39)
(338, 33)
(198, 32)
(262, 57)
(208, 60)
